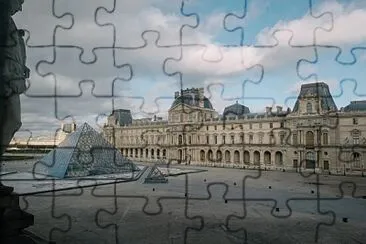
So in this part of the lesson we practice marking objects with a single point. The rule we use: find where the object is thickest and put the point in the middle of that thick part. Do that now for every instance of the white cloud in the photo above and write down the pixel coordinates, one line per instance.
(133, 17)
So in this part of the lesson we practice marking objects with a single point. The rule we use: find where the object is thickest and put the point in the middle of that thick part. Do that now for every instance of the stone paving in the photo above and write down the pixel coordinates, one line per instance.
(134, 216)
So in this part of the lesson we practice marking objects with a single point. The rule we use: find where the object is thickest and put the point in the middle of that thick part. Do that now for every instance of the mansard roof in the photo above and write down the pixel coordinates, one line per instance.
(192, 101)
(317, 90)
(356, 106)
(123, 116)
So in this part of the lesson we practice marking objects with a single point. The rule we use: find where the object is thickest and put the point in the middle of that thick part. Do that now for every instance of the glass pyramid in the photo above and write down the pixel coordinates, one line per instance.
(84, 153)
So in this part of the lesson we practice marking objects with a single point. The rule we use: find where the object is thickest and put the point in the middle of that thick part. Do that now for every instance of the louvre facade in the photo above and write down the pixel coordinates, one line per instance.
(315, 135)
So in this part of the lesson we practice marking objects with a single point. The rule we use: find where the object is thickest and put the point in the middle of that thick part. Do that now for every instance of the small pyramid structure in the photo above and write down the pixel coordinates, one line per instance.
(155, 176)
(84, 152)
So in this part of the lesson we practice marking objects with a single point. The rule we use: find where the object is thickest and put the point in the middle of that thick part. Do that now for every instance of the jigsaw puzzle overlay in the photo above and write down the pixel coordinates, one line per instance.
(182, 153)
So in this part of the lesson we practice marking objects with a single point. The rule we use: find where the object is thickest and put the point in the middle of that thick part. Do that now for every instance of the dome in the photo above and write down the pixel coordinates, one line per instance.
(236, 110)
(192, 101)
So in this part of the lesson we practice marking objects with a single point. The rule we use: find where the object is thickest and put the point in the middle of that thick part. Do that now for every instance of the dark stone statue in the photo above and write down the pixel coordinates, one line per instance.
(13, 75)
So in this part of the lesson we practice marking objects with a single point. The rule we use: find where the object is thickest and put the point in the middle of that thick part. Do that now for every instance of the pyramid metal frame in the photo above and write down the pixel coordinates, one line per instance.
(155, 176)
(83, 153)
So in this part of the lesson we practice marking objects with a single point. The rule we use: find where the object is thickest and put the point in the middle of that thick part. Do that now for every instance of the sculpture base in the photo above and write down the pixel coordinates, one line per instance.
(13, 220)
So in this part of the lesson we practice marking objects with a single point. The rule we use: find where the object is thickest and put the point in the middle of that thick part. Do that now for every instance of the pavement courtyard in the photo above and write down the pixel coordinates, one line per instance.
(206, 207)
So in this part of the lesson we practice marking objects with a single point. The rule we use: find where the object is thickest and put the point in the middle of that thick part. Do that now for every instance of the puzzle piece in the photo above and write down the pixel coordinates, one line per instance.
(83, 16)
(136, 48)
(316, 19)
(35, 14)
(69, 73)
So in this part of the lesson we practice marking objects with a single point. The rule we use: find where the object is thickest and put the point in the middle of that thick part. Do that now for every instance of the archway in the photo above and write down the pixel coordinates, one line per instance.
(158, 153)
(310, 160)
(236, 157)
(164, 153)
(141, 152)
(210, 156)
(202, 155)
(146, 153)
(267, 157)
(227, 156)
(246, 157)
(218, 156)
(152, 153)
(257, 158)
(136, 152)
(279, 158)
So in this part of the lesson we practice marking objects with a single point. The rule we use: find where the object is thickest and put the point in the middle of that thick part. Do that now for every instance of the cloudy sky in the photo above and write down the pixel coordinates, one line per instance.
(258, 52)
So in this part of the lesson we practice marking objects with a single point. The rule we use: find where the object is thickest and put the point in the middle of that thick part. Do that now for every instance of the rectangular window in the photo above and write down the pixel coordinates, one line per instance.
(271, 125)
(295, 164)
(232, 139)
(207, 139)
(260, 125)
(241, 139)
(250, 139)
(294, 139)
(355, 121)
(223, 139)
(282, 139)
(215, 139)
(250, 126)
(356, 141)
(326, 164)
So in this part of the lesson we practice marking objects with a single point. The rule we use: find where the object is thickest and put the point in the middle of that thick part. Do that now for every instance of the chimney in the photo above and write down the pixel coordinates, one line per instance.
(279, 109)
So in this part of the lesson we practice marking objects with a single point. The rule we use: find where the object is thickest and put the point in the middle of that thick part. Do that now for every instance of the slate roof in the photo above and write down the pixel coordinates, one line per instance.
(355, 106)
(236, 109)
(192, 101)
(319, 89)
(122, 116)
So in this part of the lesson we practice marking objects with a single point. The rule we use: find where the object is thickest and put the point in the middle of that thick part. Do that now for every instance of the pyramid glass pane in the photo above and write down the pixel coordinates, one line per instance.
(85, 152)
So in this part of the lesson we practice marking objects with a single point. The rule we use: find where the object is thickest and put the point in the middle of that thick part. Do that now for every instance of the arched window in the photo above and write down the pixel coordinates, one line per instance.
(278, 158)
(180, 139)
(257, 158)
(246, 157)
(325, 138)
(310, 160)
(309, 108)
(218, 156)
(227, 156)
(210, 155)
(202, 156)
(267, 157)
(236, 157)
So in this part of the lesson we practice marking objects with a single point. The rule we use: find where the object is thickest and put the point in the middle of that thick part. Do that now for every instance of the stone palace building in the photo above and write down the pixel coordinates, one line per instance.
(314, 135)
